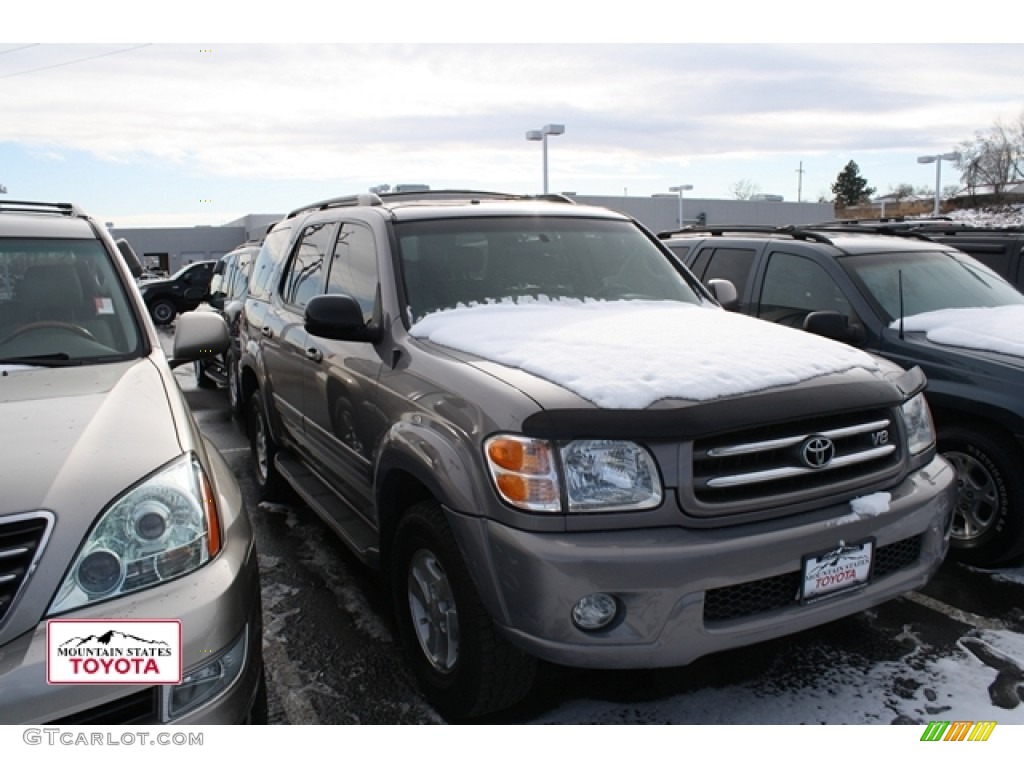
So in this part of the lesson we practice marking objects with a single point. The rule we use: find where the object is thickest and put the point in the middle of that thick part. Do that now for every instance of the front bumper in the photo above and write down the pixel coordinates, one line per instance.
(664, 579)
(218, 606)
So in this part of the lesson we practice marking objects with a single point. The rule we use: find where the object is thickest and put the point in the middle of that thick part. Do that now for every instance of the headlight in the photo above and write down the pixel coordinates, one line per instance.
(918, 419)
(600, 475)
(162, 529)
(603, 475)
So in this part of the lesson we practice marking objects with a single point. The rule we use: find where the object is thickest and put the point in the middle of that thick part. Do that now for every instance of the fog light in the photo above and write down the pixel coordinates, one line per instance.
(208, 681)
(595, 611)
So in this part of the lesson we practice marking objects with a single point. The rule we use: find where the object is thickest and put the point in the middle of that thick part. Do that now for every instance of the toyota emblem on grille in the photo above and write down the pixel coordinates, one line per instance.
(817, 451)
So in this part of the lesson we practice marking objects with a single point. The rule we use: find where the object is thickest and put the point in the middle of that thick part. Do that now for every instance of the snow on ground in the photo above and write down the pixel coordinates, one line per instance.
(1008, 216)
(995, 329)
(645, 351)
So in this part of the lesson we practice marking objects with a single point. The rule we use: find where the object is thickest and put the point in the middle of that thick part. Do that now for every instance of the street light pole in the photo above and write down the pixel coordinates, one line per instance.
(680, 189)
(937, 159)
(551, 129)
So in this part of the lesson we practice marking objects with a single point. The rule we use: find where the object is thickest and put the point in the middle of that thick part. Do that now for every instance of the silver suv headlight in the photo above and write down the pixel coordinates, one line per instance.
(163, 528)
(917, 418)
(599, 475)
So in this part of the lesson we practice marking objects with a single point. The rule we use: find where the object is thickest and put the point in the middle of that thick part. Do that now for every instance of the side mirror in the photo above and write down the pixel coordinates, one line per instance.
(836, 326)
(199, 335)
(725, 293)
(339, 317)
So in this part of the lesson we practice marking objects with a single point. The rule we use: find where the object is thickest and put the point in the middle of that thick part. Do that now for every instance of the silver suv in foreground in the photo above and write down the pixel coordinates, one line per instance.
(129, 590)
(554, 444)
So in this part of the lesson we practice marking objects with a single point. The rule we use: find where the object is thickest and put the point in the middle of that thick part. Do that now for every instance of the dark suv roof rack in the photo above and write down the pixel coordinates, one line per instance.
(427, 195)
(31, 206)
(720, 230)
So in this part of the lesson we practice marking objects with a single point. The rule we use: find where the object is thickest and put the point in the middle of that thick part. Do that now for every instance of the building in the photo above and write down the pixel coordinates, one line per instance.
(168, 249)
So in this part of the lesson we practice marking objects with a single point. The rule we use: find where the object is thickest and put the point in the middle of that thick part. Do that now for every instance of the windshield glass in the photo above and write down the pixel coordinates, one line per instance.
(931, 281)
(61, 301)
(453, 262)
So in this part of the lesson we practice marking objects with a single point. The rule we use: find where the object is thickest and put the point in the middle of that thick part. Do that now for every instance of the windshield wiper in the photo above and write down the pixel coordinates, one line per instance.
(51, 360)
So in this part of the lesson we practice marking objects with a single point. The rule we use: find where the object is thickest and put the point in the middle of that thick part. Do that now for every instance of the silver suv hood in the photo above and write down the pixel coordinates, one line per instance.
(75, 438)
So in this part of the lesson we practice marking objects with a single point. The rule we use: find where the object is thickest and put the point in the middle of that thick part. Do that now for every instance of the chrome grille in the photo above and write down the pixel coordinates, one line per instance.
(795, 457)
(21, 541)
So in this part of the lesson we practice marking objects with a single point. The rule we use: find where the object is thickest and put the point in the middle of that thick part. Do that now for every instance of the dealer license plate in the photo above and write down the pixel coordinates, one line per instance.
(846, 567)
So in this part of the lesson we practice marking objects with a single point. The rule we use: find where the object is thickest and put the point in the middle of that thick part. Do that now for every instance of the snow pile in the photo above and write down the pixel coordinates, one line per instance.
(1009, 216)
(872, 505)
(993, 329)
(630, 354)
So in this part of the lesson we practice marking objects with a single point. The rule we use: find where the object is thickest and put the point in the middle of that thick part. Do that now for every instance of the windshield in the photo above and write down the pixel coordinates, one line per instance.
(62, 302)
(453, 262)
(931, 280)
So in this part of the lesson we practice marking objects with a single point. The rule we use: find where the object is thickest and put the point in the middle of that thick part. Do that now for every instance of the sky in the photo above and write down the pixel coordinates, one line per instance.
(165, 132)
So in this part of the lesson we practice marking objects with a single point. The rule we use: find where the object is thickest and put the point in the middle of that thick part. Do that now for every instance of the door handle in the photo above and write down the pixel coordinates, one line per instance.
(314, 354)
(266, 332)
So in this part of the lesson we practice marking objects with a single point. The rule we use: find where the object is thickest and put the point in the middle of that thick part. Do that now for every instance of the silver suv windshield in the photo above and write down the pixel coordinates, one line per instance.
(61, 301)
(931, 281)
(451, 262)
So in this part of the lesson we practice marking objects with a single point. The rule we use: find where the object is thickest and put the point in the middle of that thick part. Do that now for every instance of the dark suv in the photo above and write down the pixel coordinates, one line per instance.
(183, 291)
(554, 444)
(916, 302)
(226, 296)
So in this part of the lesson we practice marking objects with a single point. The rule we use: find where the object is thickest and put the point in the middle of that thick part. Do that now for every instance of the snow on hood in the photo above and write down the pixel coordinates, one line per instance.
(993, 329)
(630, 354)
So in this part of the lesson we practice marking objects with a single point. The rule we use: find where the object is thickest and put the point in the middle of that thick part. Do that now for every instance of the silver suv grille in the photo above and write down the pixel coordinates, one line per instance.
(796, 459)
(21, 541)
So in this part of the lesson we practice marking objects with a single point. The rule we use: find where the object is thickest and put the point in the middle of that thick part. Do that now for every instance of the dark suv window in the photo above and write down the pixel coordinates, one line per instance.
(268, 263)
(354, 267)
(305, 273)
(795, 286)
(732, 264)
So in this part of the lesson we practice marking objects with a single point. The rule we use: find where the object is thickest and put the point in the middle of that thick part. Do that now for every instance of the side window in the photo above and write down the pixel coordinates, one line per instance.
(795, 286)
(354, 267)
(732, 264)
(268, 263)
(305, 272)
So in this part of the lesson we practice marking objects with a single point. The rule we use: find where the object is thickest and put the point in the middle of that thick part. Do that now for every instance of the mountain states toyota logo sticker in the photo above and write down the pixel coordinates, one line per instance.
(113, 652)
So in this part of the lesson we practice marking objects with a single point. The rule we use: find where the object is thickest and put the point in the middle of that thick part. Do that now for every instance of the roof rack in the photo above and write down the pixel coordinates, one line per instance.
(31, 206)
(719, 230)
(380, 198)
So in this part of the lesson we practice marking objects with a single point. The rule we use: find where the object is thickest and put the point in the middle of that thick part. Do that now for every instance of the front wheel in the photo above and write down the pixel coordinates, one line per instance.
(988, 522)
(463, 666)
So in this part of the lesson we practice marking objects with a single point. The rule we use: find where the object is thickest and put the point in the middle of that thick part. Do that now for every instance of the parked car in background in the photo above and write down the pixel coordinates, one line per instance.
(113, 507)
(553, 444)
(917, 302)
(181, 292)
(227, 297)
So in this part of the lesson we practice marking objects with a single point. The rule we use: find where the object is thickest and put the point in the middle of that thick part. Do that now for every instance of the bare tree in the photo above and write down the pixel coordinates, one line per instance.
(993, 159)
(744, 189)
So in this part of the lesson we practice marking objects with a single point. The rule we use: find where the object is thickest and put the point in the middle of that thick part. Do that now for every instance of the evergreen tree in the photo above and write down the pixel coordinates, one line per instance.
(850, 187)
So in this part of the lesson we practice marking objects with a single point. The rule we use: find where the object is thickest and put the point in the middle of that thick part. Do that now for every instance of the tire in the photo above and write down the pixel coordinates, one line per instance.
(262, 448)
(202, 380)
(988, 522)
(163, 311)
(234, 394)
(463, 666)
(259, 712)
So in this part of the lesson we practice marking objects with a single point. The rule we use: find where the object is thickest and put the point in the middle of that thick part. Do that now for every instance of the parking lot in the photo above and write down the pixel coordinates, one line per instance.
(954, 650)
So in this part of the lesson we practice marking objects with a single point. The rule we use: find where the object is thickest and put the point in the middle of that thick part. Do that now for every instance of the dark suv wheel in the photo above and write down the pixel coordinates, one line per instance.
(163, 311)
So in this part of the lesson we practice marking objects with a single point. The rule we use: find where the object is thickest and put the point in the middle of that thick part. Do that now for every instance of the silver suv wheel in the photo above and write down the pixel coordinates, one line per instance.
(434, 615)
